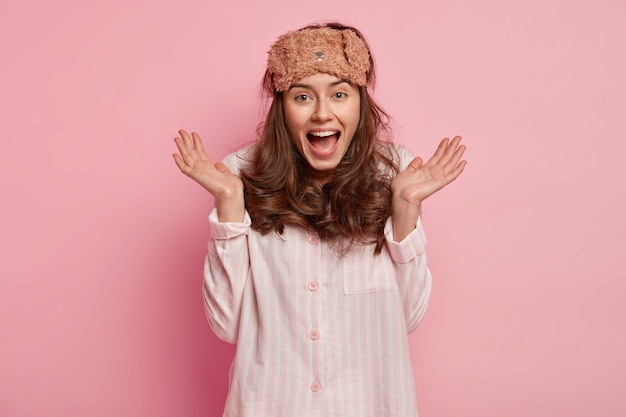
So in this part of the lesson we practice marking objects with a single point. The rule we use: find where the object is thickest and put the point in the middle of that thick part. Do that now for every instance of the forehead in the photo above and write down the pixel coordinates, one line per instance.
(320, 80)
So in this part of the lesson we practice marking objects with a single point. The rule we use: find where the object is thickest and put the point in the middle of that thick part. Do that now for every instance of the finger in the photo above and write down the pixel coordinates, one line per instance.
(180, 144)
(451, 155)
(454, 158)
(198, 146)
(460, 167)
(450, 150)
(441, 149)
(457, 171)
(415, 164)
(186, 138)
(185, 151)
(184, 168)
(222, 168)
(182, 141)
(183, 134)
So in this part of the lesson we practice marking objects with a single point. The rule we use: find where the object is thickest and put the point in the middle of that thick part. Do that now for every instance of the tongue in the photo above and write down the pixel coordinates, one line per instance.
(322, 142)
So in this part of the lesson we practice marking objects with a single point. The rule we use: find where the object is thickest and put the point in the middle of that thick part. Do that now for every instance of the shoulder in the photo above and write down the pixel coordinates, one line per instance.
(400, 155)
(238, 159)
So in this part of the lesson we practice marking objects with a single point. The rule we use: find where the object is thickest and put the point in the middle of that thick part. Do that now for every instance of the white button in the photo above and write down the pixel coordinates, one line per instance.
(314, 334)
(312, 239)
(315, 386)
(312, 285)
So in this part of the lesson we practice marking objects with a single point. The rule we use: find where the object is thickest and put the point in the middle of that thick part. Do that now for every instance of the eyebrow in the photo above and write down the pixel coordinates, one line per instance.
(333, 84)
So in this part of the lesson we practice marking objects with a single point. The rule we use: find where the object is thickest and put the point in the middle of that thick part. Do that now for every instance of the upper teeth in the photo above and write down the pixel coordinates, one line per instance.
(324, 134)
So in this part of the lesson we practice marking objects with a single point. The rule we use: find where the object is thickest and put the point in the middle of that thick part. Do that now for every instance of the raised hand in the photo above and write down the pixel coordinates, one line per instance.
(421, 180)
(226, 187)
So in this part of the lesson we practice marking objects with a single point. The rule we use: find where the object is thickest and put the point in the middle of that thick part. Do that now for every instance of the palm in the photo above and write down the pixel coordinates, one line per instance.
(421, 180)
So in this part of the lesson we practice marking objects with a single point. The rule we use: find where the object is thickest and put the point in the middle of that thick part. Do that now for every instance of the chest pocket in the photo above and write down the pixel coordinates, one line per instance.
(364, 273)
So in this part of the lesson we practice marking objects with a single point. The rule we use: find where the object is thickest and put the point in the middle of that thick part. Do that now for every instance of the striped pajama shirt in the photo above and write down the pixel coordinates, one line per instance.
(317, 334)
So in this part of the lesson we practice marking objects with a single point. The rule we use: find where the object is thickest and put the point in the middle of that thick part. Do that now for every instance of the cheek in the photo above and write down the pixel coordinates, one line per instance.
(354, 118)
(291, 122)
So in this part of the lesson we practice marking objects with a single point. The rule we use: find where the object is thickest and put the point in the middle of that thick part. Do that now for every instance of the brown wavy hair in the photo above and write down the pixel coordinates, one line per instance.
(353, 206)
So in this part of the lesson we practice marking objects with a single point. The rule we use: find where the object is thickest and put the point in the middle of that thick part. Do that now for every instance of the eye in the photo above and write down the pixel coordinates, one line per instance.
(301, 97)
(340, 95)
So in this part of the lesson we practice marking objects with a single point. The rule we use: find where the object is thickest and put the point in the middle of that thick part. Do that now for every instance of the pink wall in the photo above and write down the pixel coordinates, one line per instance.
(102, 239)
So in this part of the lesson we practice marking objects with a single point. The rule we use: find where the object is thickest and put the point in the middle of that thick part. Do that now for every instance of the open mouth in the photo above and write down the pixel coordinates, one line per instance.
(323, 142)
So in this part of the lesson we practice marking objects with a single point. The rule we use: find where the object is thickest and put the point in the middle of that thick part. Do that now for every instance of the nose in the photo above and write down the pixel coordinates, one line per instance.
(322, 111)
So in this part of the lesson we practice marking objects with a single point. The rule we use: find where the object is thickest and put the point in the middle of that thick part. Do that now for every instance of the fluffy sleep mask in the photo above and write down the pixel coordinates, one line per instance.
(305, 52)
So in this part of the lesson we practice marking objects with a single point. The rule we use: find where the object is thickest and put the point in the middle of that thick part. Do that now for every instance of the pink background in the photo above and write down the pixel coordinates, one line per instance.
(103, 239)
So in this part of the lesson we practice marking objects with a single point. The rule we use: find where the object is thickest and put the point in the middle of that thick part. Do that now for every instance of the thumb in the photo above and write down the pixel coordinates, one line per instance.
(222, 168)
(416, 164)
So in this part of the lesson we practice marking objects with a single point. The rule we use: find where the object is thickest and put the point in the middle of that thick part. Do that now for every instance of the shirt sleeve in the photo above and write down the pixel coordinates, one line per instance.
(226, 272)
(411, 271)
(409, 257)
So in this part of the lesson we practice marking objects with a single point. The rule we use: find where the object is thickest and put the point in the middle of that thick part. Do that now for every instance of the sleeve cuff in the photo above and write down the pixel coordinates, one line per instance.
(228, 230)
(410, 247)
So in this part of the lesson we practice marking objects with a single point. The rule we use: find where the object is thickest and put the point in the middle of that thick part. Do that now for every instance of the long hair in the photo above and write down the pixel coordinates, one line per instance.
(353, 206)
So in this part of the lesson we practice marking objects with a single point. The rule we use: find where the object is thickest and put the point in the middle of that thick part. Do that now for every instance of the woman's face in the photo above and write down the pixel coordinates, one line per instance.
(322, 113)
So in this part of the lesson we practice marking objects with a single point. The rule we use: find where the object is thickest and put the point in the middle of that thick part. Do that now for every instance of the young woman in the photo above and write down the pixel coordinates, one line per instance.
(316, 265)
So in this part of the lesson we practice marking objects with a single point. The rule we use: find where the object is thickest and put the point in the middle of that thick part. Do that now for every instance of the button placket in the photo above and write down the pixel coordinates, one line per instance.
(312, 287)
